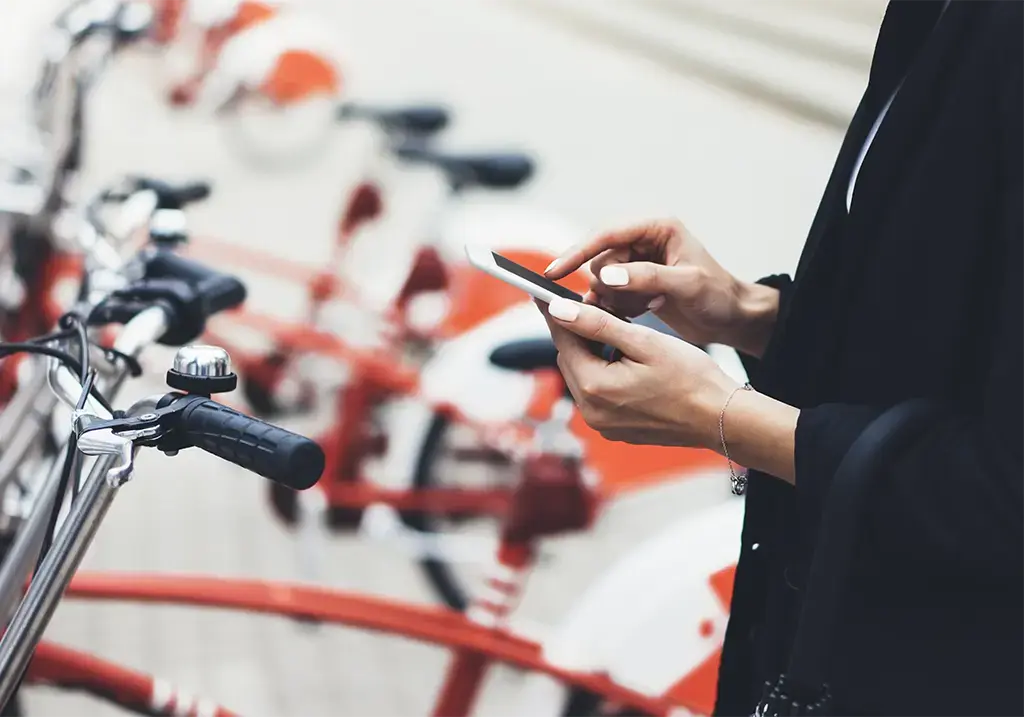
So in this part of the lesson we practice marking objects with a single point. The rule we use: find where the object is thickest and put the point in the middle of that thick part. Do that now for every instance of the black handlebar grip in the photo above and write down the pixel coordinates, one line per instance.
(217, 291)
(282, 456)
(192, 192)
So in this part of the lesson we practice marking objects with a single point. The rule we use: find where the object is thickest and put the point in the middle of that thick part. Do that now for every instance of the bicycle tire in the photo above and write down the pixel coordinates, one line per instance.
(439, 574)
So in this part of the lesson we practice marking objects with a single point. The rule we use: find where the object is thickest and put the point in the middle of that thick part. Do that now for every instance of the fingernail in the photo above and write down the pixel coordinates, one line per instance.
(563, 309)
(551, 266)
(614, 276)
(656, 303)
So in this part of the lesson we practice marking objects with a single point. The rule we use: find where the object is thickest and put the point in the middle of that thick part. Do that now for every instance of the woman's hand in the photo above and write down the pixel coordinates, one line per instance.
(661, 267)
(663, 391)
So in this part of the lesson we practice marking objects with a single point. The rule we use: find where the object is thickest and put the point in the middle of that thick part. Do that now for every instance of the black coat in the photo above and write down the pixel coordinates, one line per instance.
(916, 292)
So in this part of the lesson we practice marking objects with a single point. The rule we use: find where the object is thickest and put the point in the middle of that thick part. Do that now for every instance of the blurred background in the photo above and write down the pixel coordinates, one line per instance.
(725, 113)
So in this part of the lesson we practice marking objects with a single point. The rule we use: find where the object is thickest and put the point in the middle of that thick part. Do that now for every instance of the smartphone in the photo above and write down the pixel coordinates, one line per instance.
(537, 286)
(534, 284)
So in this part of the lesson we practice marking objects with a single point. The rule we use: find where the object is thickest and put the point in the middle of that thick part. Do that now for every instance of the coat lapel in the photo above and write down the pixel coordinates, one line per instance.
(900, 138)
(830, 211)
(923, 74)
(905, 44)
(904, 28)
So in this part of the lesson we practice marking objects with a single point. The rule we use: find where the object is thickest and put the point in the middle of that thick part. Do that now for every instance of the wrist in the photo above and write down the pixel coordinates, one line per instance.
(760, 433)
(707, 406)
(757, 311)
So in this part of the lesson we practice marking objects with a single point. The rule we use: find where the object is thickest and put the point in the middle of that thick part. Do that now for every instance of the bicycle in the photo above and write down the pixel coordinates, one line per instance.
(158, 297)
(379, 379)
(430, 274)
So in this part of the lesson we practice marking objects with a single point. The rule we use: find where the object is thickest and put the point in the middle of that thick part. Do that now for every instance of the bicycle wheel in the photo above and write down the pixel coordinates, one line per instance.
(445, 461)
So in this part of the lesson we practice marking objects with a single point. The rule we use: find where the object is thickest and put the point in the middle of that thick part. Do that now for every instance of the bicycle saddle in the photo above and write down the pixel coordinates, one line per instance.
(526, 355)
(422, 120)
(492, 171)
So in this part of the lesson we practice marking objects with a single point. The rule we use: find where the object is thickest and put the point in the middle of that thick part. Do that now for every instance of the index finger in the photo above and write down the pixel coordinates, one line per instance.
(582, 253)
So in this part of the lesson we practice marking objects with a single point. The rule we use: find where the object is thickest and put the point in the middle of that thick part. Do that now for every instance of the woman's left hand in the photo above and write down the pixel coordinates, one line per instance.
(663, 391)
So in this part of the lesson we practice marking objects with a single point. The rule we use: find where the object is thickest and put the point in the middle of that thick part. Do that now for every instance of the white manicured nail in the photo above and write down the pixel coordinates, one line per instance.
(614, 276)
(551, 266)
(564, 310)
(656, 303)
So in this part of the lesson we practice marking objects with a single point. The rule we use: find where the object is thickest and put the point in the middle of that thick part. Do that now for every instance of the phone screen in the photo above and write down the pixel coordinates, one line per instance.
(608, 353)
(535, 278)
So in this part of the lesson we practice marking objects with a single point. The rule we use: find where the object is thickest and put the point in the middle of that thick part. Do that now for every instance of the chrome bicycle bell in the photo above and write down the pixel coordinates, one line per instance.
(202, 370)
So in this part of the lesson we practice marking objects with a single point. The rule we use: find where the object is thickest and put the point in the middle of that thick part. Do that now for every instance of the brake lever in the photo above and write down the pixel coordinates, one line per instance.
(145, 429)
(119, 436)
(97, 440)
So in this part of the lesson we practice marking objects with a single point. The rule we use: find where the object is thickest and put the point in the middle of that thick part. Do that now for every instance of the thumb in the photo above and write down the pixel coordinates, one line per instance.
(594, 324)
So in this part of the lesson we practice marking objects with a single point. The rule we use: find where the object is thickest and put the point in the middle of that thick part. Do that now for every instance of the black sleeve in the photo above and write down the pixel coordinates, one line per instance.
(953, 504)
(784, 284)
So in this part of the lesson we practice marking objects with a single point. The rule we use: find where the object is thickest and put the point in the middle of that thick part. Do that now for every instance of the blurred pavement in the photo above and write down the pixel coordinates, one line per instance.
(726, 114)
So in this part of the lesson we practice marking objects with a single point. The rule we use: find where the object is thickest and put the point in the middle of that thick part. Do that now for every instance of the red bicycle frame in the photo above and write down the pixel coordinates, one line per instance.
(64, 667)
(436, 626)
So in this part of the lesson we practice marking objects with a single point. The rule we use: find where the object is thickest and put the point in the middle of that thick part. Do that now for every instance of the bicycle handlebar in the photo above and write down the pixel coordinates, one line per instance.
(169, 195)
(162, 307)
(274, 453)
(160, 297)
(187, 291)
(187, 193)
(216, 291)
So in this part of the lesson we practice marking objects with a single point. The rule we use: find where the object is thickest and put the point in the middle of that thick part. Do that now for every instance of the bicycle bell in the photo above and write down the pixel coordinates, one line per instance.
(202, 370)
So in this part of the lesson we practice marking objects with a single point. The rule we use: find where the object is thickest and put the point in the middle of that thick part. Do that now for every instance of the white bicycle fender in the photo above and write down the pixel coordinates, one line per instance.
(654, 617)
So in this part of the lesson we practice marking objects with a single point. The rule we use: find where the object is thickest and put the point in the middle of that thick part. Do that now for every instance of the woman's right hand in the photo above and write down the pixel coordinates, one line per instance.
(661, 267)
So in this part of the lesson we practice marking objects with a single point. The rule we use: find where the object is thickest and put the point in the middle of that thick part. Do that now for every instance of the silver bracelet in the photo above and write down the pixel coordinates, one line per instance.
(738, 480)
